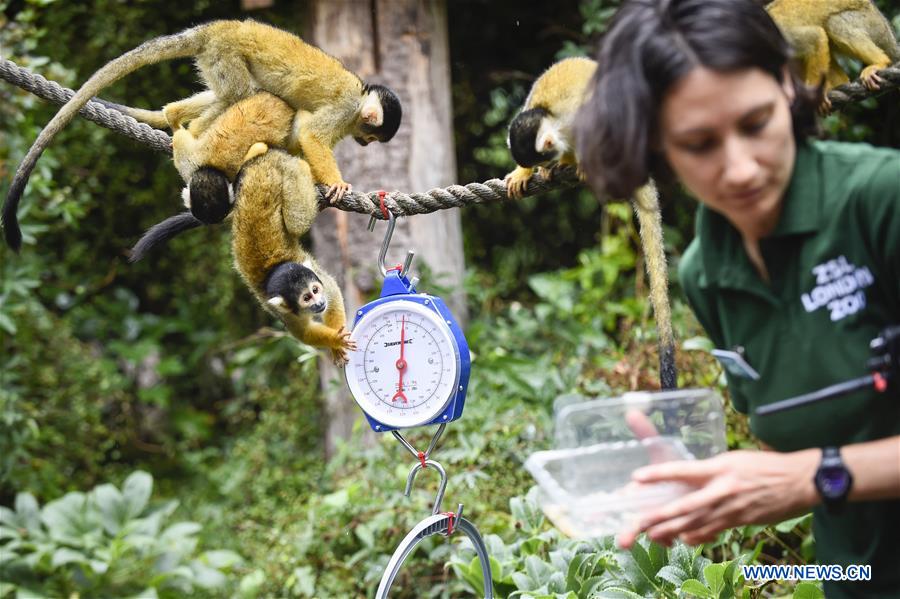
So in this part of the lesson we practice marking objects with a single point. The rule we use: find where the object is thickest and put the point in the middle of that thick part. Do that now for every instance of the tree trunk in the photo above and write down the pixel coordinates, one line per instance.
(401, 44)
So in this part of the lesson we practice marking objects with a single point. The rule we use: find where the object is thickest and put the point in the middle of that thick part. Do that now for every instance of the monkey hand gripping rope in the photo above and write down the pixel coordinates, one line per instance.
(412, 370)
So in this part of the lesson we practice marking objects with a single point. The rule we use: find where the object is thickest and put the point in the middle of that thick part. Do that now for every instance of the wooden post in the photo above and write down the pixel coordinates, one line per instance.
(401, 44)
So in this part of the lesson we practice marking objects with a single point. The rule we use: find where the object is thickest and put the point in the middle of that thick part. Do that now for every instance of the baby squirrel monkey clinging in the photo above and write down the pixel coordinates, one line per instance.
(209, 161)
(817, 29)
(541, 134)
(275, 204)
(236, 59)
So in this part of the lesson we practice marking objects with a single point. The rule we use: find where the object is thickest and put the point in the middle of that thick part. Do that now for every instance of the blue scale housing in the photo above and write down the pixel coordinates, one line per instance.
(397, 288)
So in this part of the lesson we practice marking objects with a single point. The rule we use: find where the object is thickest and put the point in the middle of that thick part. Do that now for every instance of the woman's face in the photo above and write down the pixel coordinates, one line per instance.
(728, 137)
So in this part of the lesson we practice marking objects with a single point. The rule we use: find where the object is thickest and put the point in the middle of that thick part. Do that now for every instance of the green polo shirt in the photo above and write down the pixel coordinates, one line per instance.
(834, 264)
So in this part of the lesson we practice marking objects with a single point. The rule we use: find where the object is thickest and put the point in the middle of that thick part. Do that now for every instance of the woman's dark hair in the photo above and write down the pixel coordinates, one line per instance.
(650, 45)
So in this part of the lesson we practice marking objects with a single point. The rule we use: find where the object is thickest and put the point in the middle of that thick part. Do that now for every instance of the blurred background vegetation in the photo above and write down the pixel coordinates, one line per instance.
(173, 437)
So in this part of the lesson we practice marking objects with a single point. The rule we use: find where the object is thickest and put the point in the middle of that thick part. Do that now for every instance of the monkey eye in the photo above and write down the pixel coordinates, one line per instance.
(315, 289)
(307, 297)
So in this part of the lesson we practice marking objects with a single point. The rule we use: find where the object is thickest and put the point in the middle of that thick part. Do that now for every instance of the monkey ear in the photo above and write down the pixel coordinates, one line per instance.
(371, 112)
(546, 143)
(277, 303)
(186, 197)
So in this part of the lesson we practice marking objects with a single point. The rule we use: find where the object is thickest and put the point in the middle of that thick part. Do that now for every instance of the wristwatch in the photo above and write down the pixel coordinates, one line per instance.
(833, 480)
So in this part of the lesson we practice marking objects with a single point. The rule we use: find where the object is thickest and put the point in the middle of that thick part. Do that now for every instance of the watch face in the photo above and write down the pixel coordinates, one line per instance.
(832, 481)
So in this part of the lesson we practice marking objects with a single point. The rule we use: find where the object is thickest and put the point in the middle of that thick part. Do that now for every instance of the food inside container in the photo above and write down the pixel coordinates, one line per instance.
(586, 486)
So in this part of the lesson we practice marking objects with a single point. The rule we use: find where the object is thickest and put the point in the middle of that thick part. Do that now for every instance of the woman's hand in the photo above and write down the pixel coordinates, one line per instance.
(733, 489)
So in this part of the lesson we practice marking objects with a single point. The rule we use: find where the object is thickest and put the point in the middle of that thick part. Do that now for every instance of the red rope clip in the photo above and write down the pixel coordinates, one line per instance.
(450, 515)
(880, 382)
(422, 455)
(381, 194)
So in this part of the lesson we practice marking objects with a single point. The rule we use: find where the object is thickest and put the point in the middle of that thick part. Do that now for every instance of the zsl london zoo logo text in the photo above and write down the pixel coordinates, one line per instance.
(839, 287)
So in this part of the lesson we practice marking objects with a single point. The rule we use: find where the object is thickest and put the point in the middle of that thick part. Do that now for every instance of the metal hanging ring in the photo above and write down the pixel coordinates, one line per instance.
(432, 525)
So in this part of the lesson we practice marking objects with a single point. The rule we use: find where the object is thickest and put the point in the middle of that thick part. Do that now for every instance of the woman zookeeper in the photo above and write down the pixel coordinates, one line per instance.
(795, 265)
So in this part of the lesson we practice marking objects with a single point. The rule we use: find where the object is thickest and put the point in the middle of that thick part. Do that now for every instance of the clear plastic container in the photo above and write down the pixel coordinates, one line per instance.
(586, 486)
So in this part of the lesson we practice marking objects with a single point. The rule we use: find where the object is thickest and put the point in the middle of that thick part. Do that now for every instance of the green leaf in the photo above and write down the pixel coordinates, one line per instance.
(136, 491)
(539, 570)
(642, 559)
(7, 324)
(304, 581)
(112, 507)
(221, 559)
(659, 557)
(67, 518)
(672, 574)
(473, 575)
(65, 556)
(178, 532)
(694, 587)
(616, 593)
(28, 512)
(808, 590)
(366, 535)
(789, 525)
(574, 571)
(556, 583)
(251, 584)
(337, 500)
(714, 574)
(206, 577)
(522, 581)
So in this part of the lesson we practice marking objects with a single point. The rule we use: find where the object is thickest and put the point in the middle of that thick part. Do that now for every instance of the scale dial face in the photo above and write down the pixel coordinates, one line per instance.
(406, 369)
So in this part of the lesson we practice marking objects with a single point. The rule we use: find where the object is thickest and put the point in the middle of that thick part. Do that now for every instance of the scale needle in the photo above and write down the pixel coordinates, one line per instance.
(401, 363)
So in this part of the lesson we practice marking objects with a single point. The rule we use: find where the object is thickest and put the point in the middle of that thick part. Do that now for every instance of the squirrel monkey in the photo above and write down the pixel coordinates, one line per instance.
(542, 134)
(209, 162)
(817, 29)
(236, 59)
(276, 203)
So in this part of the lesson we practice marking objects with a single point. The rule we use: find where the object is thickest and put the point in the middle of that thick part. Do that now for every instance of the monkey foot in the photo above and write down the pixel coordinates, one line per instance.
(336, 192)
(516, 185)
(870, 78)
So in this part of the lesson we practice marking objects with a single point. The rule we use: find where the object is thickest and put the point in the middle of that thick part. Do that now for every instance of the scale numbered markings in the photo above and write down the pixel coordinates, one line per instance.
(406, 369)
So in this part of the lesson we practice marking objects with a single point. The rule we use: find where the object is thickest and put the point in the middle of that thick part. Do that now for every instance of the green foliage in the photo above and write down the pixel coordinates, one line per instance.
(107, 543)
(536, 563)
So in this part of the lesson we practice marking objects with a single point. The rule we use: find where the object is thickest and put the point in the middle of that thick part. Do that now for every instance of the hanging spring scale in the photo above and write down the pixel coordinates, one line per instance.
(391, 415)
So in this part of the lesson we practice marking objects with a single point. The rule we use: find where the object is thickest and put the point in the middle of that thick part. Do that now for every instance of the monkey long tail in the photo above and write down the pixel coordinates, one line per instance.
(646, 206)
(180, 45)
(154, 118)
(162, 232)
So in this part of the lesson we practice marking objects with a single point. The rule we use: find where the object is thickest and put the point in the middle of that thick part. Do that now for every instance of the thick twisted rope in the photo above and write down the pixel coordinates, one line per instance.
(855, 91)
(399, 203)
(93, 111)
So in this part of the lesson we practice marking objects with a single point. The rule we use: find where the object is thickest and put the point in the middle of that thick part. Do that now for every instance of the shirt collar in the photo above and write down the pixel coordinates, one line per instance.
(724, 259)
(802, 209)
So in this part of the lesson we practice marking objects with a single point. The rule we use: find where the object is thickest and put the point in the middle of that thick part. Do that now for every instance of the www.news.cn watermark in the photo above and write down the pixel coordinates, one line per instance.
(810, 572)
